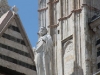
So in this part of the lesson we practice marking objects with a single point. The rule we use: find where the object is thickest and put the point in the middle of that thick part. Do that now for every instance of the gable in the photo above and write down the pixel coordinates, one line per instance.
(14, 49)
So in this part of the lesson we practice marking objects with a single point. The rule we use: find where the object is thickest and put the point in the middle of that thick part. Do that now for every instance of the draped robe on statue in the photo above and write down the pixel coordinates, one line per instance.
(43, 54)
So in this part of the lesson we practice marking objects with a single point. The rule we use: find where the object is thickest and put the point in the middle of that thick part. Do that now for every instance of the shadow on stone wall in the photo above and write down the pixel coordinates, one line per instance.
(77, 70)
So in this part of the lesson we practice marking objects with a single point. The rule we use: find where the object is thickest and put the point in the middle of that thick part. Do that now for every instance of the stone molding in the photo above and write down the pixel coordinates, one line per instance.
(53, 26)
(42, 9)
(55, 1)
(78, 10)
(66, 39)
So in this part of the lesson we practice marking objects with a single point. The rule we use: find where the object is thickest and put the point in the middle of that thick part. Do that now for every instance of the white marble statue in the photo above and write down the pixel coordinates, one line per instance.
(43, 53)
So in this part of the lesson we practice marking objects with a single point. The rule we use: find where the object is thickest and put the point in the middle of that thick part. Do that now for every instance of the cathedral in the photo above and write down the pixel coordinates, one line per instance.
(74, 27)
(75, 31)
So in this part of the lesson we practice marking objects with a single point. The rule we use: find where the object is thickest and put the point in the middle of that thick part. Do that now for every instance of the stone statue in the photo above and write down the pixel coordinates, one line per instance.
(43, 53)
(15, 9)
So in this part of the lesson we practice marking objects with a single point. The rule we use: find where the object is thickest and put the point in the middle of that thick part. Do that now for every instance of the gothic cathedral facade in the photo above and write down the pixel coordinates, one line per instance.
(74, 27)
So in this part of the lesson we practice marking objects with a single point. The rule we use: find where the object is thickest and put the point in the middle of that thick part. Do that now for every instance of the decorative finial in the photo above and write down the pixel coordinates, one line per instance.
(15, 9)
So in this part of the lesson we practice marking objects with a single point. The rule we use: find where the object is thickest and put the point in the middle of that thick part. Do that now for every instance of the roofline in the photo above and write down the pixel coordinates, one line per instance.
(5, 23)
(25, 36)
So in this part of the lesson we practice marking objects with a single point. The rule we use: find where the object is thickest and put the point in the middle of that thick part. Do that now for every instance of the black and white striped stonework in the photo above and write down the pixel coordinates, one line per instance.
(14, 54)
(98, 53)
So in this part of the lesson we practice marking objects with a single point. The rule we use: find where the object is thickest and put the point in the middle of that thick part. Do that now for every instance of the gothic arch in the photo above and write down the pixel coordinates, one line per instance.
(68, 57)
(66, 45)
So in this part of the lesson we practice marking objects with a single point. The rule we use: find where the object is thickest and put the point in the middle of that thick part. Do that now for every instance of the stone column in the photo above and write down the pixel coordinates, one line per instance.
(84, 42)
(59, 39)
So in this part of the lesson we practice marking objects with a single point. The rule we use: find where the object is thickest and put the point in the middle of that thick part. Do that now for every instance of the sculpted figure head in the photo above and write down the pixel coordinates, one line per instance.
(42, 31)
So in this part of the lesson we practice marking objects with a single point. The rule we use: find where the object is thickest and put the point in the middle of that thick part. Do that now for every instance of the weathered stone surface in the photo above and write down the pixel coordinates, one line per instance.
(79, 20)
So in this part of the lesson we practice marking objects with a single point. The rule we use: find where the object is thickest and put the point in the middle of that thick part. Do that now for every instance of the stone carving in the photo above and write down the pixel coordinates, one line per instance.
(68, 58)
(14, 9)
(43, 53)
(68, 46)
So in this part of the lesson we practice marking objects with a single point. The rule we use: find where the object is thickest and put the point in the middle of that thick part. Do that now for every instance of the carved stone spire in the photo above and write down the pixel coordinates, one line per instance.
(4, 7)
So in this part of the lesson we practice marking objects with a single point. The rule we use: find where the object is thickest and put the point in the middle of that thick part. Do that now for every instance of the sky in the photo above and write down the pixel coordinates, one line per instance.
(27, 10)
